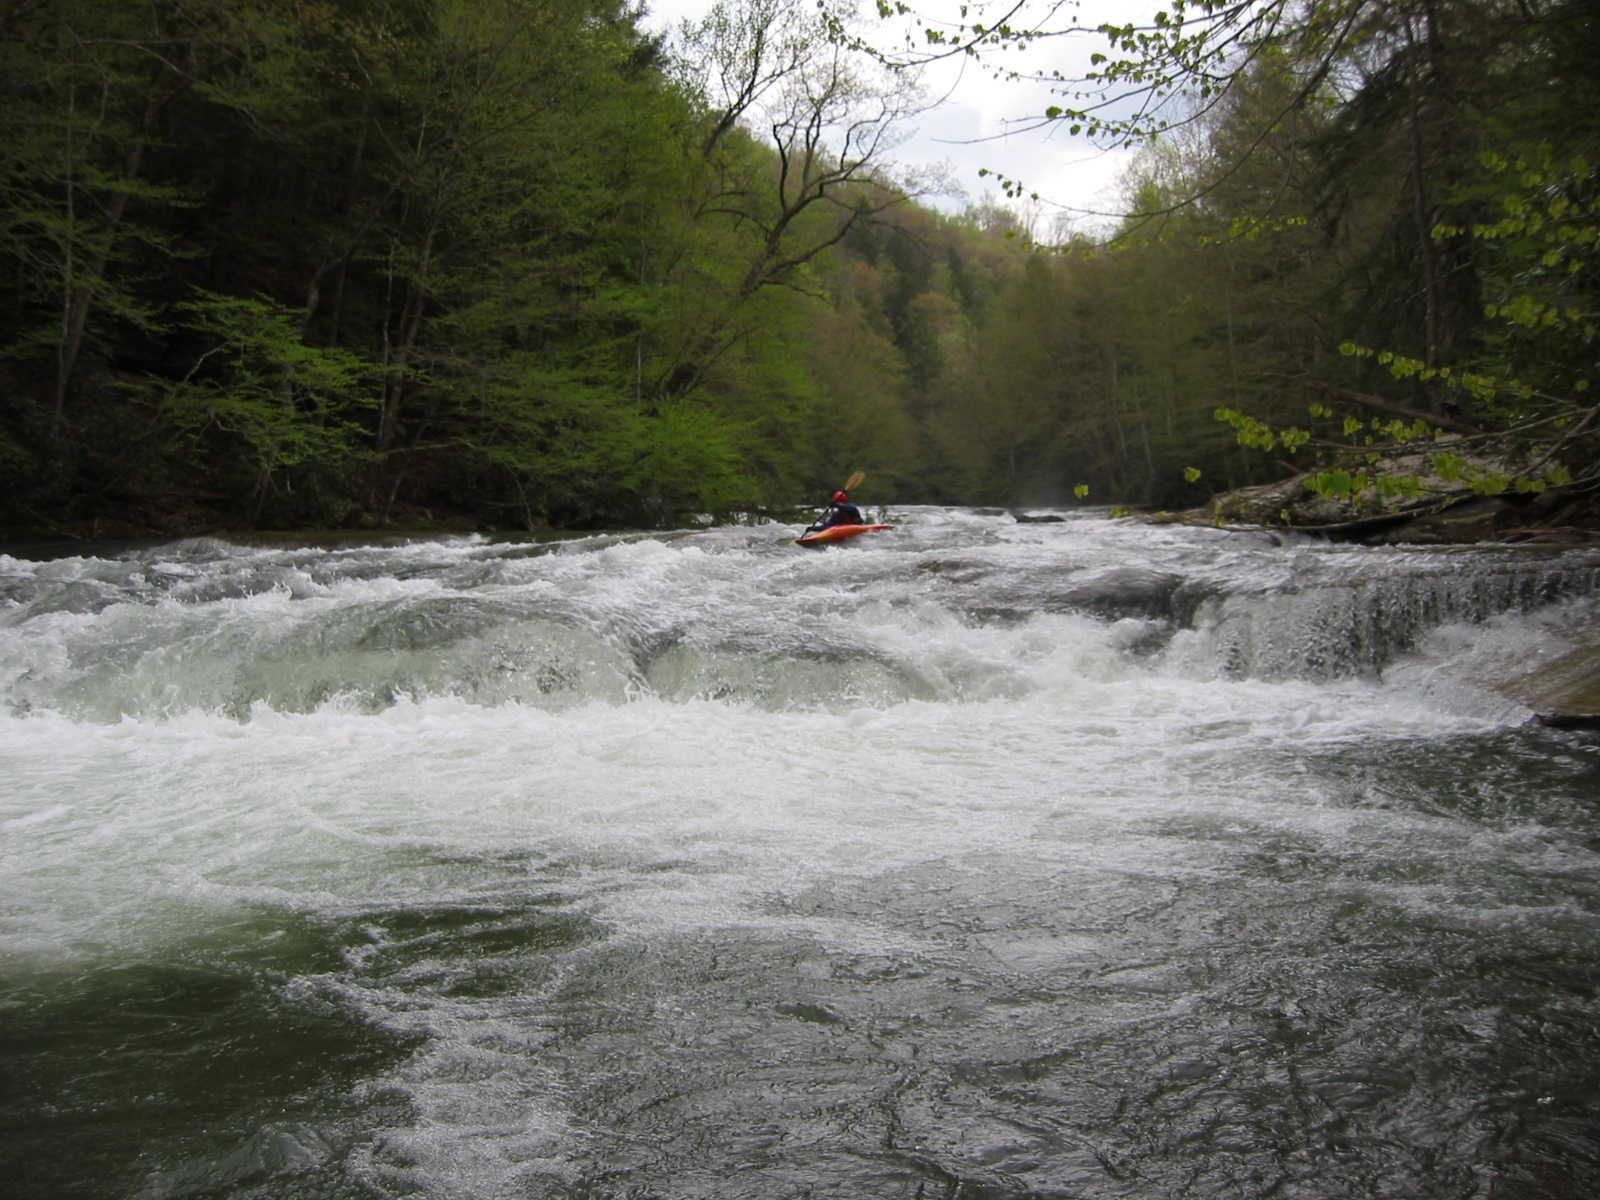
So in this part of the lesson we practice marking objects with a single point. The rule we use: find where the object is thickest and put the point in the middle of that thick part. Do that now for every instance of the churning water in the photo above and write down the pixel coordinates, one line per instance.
(979, 859)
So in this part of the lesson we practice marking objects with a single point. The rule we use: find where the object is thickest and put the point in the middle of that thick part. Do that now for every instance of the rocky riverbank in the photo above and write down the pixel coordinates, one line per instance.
(1554, 516)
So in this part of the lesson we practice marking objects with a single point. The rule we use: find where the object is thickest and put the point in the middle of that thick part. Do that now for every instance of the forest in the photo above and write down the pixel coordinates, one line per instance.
(524, 264)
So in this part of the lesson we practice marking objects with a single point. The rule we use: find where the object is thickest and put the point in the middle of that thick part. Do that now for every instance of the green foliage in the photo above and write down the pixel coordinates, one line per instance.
(1339, 485)
(1543, 264)
(1451, 471)
(1284, 221)
(1258, 435)
(1472, 384)
(76, 206)
(689, 459)
(511, 257)
(287, 403)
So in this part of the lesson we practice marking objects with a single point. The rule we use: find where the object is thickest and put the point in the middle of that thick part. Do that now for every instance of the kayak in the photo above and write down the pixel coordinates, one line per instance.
(836, 533)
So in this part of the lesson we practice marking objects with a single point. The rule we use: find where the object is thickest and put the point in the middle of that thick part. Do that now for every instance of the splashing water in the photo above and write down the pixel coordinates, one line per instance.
(975, 858)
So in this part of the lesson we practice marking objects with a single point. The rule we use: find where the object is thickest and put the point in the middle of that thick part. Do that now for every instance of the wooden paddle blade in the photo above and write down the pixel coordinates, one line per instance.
(854, 481)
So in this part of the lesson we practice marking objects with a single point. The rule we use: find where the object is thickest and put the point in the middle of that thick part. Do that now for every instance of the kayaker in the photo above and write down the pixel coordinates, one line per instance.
(842, 512)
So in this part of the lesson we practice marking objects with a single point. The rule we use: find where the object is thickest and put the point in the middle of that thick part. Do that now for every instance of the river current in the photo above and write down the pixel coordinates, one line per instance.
(978, 859)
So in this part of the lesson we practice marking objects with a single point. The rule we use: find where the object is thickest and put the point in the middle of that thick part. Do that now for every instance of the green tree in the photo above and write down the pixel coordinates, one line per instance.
(775, 205)
(281, 402)
(1350, 186)
(85, 88)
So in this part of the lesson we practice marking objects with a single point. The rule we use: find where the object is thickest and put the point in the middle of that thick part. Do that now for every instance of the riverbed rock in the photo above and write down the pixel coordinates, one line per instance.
(1564, 693)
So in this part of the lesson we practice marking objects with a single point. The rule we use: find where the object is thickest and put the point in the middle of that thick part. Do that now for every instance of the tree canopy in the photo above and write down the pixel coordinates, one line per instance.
(526, 263)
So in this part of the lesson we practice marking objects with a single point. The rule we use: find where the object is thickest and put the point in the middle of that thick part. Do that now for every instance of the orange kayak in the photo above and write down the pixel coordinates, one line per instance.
(836, 533)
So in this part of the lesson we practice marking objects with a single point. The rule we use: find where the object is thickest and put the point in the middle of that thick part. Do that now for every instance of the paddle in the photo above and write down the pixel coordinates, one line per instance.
(850, 485)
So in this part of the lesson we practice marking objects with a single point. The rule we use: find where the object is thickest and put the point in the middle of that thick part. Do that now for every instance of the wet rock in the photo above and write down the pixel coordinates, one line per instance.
(1564, 693)
(1466, 522)
(1120, 592)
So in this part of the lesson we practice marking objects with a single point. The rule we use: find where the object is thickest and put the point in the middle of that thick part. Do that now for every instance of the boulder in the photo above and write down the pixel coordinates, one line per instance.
(1564, 693)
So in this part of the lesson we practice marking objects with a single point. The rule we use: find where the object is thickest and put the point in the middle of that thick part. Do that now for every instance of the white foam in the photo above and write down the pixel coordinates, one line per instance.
(742, 726)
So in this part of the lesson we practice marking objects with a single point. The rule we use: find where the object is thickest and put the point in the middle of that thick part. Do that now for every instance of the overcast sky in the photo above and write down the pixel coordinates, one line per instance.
(978, 125)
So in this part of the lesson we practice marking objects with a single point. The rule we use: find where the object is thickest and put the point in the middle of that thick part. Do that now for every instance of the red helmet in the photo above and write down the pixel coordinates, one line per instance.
(840, 497)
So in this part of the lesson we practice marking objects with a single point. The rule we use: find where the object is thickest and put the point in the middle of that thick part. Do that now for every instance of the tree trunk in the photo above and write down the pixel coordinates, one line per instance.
(399, 360)
(78, 298)
(395, 384)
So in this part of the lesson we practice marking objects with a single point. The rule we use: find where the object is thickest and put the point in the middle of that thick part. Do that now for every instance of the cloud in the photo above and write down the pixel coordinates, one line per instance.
(990, 128)
(988, 123)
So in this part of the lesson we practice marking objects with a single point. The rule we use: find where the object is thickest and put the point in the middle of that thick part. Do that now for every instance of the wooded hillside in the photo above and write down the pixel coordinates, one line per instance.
(519, 263)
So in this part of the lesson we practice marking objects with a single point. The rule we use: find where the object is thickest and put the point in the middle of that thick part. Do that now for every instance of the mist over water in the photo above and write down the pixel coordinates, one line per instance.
(977, 858)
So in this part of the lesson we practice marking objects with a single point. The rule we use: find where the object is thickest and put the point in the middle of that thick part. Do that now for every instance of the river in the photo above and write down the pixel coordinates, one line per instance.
(978, 859)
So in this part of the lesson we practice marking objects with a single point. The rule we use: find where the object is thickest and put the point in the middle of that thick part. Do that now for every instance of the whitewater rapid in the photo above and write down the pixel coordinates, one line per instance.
(979, 857)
